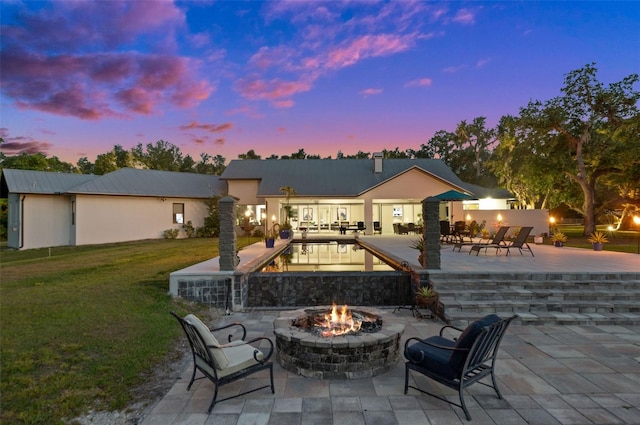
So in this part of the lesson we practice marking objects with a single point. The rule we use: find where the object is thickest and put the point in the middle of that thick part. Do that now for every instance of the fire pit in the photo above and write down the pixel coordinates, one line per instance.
(337, 343)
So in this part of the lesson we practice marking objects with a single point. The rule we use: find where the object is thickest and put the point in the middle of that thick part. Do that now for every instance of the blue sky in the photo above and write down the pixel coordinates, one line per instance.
(224, 77)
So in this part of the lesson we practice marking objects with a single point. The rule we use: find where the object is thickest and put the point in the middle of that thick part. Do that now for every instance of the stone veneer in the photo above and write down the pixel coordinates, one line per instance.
(342, 357)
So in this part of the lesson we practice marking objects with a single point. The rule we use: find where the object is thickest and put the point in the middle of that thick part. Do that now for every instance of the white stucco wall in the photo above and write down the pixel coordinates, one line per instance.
(46, 221)
(108, 219)
(245, 191)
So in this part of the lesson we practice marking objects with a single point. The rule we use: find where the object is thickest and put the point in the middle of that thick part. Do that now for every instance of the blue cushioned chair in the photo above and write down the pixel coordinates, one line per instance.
(458, 363)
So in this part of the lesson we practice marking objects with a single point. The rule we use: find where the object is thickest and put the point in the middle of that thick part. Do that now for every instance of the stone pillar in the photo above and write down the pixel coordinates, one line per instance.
(431, 232)
(227, 242)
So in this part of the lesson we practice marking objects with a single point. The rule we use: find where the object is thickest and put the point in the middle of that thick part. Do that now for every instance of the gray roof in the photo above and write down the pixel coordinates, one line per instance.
(40, 182)
(484, 192)
(124, 182)
(330, 177)
(134, 182)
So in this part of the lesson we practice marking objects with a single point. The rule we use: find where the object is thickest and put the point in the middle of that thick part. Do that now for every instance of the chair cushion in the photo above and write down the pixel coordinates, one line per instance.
(240, 357)
(434, 359)
(219, 356)
(468, 337)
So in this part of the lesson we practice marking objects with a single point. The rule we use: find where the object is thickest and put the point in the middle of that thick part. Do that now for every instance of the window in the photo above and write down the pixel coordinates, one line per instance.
(178, 213)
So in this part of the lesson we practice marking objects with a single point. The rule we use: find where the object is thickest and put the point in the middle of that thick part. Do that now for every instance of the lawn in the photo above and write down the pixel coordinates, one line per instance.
(83, 326)
(620, 241)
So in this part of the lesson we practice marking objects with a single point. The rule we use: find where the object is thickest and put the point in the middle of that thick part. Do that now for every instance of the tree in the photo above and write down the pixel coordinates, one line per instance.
(85, 166)
(105, 163)
(249, 155)
(210, 164)
(426, 151)
(161, 156)
(577, 128)
(37, 161)
(394, 154)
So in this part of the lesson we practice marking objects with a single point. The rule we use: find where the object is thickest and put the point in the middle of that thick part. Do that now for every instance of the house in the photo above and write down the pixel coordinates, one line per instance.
(345, 191)
(56, 209)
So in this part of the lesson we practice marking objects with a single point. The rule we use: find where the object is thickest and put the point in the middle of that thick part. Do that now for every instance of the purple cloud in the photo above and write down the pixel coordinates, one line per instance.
(54, 60)
(21, 144)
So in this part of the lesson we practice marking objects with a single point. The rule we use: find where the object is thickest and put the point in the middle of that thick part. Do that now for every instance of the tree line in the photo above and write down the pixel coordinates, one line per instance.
(580, 149)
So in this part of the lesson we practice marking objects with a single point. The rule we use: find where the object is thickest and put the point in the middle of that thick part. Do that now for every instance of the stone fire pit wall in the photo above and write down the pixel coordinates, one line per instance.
(341, 357)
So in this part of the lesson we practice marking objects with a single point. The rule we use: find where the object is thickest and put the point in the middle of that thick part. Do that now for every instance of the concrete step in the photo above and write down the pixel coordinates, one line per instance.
(462, 320)
(454, 305)
(551, 294)
(576, 299)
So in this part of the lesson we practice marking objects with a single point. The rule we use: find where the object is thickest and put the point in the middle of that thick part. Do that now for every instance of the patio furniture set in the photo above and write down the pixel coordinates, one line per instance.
(454, 362)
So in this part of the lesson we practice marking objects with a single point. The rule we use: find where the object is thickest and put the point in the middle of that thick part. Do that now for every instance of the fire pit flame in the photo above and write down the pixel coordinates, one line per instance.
(338, 322)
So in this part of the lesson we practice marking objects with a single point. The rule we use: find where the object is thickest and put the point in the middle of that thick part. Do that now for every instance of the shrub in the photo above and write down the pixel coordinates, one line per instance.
(189, 230)
(171, 233)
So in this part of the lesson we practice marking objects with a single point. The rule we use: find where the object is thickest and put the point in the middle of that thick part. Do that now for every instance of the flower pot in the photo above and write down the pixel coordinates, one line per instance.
(285, 233)
(558, 244)
(422, 301)
(270, 243)
(597, 246)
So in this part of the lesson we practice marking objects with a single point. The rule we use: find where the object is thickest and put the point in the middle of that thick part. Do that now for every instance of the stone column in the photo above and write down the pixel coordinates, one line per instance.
(431, 232)
(227, 242)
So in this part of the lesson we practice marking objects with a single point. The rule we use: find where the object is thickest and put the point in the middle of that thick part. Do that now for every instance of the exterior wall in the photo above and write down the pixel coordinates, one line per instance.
(108, 219)
(46, 221)
(413, 185)
(245, 191)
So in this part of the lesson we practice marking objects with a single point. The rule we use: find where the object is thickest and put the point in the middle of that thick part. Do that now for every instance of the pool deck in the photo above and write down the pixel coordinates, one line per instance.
(547, 374)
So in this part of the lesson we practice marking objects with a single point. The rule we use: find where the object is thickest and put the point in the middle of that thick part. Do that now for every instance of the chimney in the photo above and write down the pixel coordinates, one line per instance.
(377, 162)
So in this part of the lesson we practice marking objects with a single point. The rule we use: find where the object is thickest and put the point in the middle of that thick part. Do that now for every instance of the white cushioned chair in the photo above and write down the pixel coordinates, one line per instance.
(224, 363)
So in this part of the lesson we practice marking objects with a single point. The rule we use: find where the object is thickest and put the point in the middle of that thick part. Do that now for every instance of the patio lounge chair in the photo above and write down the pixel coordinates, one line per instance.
(458, 363)
(497, 242)
(520, 241)
(224, 363)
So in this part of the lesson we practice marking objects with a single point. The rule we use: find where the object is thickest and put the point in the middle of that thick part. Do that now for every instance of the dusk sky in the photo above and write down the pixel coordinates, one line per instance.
(224, 77)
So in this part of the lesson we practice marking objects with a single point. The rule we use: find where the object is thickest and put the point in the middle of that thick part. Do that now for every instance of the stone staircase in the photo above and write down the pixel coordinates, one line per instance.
(541, 299)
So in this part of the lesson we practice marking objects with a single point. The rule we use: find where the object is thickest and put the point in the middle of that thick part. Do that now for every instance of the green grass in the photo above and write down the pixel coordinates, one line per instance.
(82, 326)
(620, 241)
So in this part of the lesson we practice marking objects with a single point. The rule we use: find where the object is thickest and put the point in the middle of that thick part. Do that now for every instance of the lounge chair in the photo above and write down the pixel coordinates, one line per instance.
(461, 231)
(520, 241)
(458, 363)
(225, 363)
(497, 242)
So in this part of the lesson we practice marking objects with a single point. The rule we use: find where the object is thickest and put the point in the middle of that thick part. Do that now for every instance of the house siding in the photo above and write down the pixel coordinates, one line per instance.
(49, 219)
(108, 219)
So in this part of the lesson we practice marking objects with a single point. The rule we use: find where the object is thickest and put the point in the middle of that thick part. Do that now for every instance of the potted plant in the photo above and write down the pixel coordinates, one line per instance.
(558, 239)
(426, 296)
(285, 228)
(419, 245)
(271, 236)
(598, 239)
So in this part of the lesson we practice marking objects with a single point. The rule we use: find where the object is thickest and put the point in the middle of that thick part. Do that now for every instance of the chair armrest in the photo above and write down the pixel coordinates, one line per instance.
(244, 330)
(450, 327)
(268, 355)
(442, 347)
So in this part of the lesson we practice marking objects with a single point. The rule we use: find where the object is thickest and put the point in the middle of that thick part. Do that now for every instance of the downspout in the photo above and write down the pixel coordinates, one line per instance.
(22, 222)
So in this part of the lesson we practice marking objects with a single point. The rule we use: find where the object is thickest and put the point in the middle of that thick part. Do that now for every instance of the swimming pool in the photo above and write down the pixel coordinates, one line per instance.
(326, 256)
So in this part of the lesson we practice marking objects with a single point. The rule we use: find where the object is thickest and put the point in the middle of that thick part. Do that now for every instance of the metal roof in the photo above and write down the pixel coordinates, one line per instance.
(134, 182)
(124, 182)
(40, 182)
(330, 177)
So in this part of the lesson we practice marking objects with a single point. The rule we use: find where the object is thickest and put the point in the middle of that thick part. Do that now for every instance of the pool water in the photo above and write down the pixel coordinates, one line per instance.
(331, 256)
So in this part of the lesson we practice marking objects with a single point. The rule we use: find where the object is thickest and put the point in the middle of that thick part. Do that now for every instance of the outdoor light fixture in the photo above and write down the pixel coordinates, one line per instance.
(636, 219)
(499, 218)
(468, 217)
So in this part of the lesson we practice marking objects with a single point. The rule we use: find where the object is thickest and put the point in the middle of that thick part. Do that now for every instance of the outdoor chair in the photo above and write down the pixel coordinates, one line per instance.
(411, 227)
(461, 231)
(458, 363)
(377, 228)
(361, 226)
(497, 242)
(445, 231)
(225, 363)
(520, 241)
